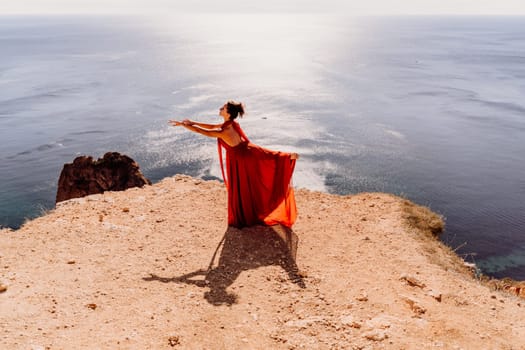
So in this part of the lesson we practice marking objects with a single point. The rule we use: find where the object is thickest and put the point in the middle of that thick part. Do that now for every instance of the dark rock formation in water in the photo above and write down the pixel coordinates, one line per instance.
(85, 176)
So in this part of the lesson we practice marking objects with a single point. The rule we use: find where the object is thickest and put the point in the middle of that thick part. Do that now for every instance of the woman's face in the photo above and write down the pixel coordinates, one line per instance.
(223, 112)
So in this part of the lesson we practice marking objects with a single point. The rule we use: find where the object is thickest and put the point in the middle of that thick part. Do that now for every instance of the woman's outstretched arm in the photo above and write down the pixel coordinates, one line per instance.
(204, 125)
(216, 132)
(201, 125)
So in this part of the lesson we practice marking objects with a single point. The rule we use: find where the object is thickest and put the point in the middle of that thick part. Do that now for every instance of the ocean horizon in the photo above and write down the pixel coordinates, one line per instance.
(430, 108)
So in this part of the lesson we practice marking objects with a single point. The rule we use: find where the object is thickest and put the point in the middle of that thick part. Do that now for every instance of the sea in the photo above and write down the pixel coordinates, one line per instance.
(430, 108)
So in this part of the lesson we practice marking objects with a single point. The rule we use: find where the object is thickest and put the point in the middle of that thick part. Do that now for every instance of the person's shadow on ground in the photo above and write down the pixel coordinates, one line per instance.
(242, 250)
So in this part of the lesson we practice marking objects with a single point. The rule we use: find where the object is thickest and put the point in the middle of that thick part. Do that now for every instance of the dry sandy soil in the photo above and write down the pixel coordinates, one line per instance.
(157, 268)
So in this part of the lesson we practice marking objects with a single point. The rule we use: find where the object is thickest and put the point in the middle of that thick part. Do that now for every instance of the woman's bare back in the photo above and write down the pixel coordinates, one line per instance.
(230, 135)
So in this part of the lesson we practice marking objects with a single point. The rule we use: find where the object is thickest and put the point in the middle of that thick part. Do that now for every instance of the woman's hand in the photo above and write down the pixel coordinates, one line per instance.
(175, 122)
(294, 156)
(185, 122)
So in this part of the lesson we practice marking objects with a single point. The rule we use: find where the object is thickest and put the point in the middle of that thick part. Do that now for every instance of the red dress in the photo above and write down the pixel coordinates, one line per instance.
(259, 183)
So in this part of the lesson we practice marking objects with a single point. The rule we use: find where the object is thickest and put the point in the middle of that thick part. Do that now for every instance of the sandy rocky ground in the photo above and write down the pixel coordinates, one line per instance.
(157, 268)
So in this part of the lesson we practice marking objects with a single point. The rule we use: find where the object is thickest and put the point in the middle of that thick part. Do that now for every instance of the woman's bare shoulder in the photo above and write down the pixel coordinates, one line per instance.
(226, 126)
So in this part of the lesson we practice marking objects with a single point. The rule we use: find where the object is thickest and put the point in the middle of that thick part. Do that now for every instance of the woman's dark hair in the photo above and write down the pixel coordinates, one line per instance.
(235, 109)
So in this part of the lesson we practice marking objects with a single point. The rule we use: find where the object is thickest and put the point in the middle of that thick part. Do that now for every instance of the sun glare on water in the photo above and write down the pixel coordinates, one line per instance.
(269, 47)
(275, 63)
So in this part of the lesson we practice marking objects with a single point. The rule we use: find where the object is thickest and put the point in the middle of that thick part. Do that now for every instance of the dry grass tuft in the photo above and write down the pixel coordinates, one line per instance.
(423, 219)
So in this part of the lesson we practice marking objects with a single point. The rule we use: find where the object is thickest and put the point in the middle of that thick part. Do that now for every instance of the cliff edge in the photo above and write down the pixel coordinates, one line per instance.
(158, 268)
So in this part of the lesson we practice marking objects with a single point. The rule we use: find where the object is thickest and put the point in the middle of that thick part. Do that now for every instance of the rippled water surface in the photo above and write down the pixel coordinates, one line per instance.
(431, 108)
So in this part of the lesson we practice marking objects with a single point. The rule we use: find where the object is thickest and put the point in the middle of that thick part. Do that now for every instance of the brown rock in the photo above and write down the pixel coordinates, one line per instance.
(376, 335)
(348, 320)
(518, 290)
(412, 281)
(435, 294)
(415, 305)
(362, 297)
(173, 340)
(113, 172)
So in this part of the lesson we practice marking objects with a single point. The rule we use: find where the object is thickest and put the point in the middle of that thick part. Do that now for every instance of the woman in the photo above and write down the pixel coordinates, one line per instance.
(258, 180)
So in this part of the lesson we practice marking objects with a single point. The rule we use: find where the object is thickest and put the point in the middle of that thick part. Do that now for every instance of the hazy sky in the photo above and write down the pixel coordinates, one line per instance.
(357, 7)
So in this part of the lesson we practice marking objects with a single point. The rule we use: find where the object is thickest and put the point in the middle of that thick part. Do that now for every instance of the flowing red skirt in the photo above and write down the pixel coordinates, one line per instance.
(259, 183)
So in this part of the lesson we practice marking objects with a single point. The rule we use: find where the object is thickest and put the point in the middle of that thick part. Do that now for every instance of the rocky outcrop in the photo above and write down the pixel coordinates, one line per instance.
(85, 176)
(160, 269)
(511, 286)
(518, 289)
